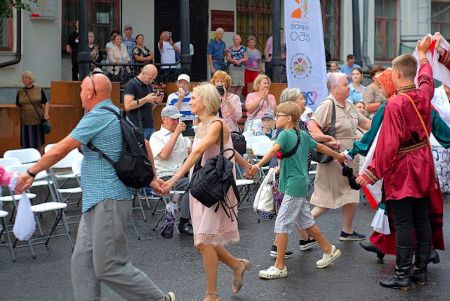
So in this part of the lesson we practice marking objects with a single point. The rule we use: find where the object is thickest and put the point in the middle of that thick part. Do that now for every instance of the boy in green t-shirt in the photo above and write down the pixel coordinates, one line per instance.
(294, 146)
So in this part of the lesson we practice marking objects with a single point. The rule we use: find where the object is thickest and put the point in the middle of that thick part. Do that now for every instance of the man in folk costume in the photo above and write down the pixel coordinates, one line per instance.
(380, 243)
(405, 161)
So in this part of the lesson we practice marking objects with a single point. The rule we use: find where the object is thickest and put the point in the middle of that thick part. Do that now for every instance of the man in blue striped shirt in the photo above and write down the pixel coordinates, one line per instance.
(101, 251)
(181, 98)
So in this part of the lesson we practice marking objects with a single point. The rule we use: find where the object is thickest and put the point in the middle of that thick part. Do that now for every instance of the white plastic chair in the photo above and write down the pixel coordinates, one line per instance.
(25, 155)
(57, 207)
(248, 134)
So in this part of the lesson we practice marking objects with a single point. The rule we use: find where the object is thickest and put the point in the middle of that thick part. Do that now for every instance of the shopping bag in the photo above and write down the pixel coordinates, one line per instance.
(25, 223)
(264, 197)
(380, 221)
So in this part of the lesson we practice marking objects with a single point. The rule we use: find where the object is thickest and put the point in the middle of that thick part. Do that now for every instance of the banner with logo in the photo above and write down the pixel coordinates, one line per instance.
(305, 51)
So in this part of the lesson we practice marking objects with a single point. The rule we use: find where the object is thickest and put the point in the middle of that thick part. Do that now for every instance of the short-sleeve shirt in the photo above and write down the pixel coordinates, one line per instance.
(294, 177)
(348, 70)
(347, 120)
(355, 95)
(185, 107)
(179, 153)
(238, 55)
(178, 54)
(167, 54)
(268, 106)
(138, 90)
(99, 179)
(254, 57)
(129, 44)
(216, 49)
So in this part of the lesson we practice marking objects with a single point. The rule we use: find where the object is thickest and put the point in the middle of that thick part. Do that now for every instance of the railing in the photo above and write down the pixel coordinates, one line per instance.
(130, 71)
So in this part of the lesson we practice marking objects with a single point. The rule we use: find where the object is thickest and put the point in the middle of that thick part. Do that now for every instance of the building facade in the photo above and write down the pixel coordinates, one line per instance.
(393, 28)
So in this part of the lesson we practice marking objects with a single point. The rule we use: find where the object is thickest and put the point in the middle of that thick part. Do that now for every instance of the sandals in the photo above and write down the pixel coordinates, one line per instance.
(238, 283)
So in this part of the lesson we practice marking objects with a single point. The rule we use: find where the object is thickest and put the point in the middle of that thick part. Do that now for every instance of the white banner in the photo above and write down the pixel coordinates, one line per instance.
(305, 62)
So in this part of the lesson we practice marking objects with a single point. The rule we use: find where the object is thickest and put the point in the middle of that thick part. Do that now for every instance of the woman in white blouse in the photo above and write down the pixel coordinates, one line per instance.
(117, 54)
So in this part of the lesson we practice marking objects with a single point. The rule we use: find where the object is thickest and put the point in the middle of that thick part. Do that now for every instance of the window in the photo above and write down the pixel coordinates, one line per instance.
(6, 34)
(385, 29)
(440, 18)
(103, 17)
(331, 22)
(254, 18)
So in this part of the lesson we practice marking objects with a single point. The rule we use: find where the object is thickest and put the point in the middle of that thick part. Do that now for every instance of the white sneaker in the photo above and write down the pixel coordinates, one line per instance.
(328, 258)
(273, 273)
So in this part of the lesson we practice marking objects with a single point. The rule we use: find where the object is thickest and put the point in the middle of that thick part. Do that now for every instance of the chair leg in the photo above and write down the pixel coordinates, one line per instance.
(156, 205)
(8, 237)
(134, 227)
(159, 220)
(142, 208)
(66, 229)
(39, 225)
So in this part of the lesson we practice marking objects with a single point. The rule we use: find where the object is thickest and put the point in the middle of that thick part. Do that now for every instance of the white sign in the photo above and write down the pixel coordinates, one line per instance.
(44, 10)
(305, 63)
(102, 18)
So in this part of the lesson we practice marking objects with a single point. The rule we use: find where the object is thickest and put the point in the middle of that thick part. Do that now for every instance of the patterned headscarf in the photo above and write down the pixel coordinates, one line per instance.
(385, 79)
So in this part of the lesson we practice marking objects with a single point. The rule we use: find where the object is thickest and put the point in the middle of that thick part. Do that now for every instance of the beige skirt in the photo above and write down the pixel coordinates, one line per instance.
(331, 188)
(237, 75)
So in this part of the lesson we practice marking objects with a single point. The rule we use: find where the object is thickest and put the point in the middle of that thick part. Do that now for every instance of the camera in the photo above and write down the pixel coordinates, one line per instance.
(221, 89)
(170, 33)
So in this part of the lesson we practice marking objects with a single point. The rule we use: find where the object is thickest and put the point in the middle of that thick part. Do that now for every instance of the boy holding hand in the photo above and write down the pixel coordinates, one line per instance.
(292, 147)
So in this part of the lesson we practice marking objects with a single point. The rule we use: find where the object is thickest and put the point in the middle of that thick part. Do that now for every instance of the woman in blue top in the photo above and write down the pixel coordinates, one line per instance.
(356, 89)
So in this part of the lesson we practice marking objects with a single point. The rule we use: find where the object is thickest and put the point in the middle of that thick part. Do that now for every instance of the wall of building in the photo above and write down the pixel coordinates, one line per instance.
(41, 53)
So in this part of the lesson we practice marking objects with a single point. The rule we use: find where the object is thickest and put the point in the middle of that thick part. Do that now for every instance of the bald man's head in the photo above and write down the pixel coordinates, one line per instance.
(94, 90)
(148, 74)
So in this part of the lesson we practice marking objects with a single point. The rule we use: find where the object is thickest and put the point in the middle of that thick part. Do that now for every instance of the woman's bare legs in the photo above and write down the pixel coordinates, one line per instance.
(348, 213)
(231, 261)
(210, 263)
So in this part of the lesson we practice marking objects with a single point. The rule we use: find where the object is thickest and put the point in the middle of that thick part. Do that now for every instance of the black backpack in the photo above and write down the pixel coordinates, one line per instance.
(210, 184)
(133, 167)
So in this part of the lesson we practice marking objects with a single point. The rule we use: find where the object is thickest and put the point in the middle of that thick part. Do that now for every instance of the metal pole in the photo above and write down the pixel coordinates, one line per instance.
(84, 58)
(185, 38)
(365, 51)
(276, 27)
(356, 32)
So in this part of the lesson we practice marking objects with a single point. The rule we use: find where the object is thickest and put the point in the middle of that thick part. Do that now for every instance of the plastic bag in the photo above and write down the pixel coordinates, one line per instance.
(264, 196)
(25, 223)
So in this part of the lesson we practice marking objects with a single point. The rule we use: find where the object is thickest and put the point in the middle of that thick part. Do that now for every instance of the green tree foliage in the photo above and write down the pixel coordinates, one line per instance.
(6, 7)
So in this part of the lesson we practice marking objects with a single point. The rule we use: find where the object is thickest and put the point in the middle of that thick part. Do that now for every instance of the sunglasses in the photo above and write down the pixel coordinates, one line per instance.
(92, 80)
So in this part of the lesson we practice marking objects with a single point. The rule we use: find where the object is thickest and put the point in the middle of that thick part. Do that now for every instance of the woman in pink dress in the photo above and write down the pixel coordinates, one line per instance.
(212, 230)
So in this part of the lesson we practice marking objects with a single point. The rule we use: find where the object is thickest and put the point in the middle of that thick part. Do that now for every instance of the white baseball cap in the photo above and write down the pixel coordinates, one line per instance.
(185, 77)
(171, 112)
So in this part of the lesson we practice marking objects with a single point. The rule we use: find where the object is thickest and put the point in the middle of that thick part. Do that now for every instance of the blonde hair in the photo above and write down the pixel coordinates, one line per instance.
(290, 94)
(210, 97)
(259, 79)
(292, 109)
(30, 75)
(221, 75)
(406, 64)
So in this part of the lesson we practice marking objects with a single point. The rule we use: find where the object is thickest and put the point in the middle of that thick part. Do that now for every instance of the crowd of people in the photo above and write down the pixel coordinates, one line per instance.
(392, 114)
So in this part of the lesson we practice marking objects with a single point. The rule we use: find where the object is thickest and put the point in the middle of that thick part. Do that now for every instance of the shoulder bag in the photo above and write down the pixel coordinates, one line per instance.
(318, 156)
(210, 183)
(46, 125)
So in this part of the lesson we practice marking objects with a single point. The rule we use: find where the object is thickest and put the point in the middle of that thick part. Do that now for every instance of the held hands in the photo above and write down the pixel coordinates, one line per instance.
(23, 183)
(157, 186)
(341, 158)
(361, 181)
(423, 46)
(168, 185)
(252, 172)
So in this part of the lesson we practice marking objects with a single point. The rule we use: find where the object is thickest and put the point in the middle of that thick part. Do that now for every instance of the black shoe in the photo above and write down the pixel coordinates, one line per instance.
(419, 274)
(368, 246)
(307, 244)
(433, 257)
(402, 277)
(287, 255)
(186, 229)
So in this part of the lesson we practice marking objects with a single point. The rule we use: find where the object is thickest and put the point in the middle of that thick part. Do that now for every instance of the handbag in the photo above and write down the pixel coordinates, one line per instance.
(46, 125)
(264, 197)
(315, 154)
(210, 183)
(239, 143)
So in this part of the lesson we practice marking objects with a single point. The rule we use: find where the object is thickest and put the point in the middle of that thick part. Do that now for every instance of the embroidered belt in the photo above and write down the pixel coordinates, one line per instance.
(413, 147)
